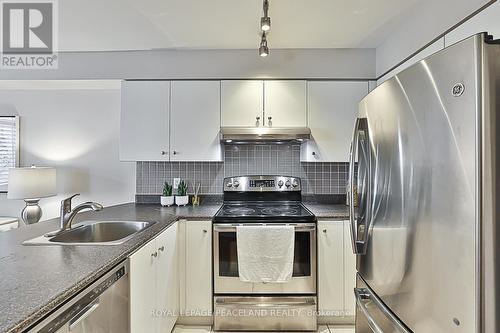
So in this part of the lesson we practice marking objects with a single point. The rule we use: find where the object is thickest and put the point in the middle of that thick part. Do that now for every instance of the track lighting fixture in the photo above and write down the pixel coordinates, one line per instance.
(265, 21)
(265, 26)
(263, 49)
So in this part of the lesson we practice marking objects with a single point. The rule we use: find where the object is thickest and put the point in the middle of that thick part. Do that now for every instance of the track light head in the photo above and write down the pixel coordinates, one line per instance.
(265, 23)
(263, 49)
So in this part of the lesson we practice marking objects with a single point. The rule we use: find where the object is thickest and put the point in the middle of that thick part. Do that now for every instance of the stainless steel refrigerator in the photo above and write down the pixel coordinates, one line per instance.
(424, 186)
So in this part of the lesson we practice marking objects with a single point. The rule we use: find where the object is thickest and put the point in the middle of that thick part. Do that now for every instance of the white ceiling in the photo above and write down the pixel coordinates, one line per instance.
(107, 25)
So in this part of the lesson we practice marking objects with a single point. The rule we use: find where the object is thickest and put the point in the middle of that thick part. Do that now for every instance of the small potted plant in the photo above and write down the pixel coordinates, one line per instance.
(182, 199)
(167, 199)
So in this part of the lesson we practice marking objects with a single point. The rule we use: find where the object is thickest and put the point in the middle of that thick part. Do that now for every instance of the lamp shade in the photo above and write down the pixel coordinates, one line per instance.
(31, 183)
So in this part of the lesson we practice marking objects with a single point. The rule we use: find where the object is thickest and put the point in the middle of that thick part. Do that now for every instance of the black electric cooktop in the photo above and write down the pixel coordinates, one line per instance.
(264, 212)
(263, 199)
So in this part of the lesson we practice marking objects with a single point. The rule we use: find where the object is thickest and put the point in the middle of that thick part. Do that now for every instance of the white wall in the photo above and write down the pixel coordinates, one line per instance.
(207, 64)
(487, 20)
(74, 126)
(433, 48)
(424, 23)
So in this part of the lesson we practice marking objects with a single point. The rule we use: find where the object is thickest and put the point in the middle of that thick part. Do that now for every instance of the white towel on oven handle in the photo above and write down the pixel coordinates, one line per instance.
(265, 253)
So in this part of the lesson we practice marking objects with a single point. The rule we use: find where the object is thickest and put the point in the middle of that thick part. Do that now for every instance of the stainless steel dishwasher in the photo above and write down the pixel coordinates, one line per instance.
(102, 307)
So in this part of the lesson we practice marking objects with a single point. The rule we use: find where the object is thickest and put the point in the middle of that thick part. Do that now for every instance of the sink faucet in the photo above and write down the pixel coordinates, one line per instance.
(68, 214)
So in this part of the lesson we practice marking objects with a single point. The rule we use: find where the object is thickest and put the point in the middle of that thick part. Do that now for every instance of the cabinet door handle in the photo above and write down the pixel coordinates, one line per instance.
(324, 231)
(161, 248)
(154, 254)
(257, 121)
(270, 121)
(205, 231)
(175, 152)
(164, 152)
(313, 153)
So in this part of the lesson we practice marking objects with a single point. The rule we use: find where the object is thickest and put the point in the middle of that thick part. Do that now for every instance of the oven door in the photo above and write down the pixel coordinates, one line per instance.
(226, 277)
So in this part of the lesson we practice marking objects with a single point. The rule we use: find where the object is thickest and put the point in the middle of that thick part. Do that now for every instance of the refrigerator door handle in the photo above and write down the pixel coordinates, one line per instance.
(352, 220)
(359, 246)
(352, 189)
(364, 298)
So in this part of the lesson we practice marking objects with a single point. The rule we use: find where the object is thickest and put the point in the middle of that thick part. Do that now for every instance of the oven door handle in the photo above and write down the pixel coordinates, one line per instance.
(301, 303)
(232, 228)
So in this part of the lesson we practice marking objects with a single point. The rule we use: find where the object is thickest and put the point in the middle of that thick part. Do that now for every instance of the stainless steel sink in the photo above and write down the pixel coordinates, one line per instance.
(94, 233)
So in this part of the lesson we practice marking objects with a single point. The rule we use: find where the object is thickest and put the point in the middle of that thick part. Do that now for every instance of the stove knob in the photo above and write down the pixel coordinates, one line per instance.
(287, 184)
(236, 183)
(280, 183)
(295, 183)
(229, 184)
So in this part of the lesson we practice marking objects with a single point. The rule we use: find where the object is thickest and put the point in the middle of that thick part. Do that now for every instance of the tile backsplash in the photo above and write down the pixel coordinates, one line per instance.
(273, 159)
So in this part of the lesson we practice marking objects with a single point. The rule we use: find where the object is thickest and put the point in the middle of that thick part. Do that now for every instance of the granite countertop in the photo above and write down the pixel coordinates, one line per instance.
(328, 211)
(207, 211)
(203, 211)
(37, 279)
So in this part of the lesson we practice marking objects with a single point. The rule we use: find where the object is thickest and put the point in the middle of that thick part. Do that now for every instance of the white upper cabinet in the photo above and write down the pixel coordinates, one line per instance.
(195, 121)
(285, 103)
(332, 111)
(144, 121)
(242, 103)
(170, 121)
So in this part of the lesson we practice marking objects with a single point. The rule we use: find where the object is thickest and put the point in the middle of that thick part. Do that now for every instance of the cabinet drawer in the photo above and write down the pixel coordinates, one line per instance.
(265, 313)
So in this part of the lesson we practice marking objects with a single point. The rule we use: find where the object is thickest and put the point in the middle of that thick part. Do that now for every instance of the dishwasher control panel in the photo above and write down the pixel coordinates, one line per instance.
(88, 302)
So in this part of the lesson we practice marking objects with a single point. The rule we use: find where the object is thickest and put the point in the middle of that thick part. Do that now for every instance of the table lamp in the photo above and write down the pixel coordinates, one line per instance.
(31, 184)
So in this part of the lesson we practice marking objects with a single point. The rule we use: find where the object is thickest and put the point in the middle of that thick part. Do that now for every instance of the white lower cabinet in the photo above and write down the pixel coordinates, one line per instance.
(154, 284)
(196, 268)
(349, 273)
(330, 266)
(336, 271)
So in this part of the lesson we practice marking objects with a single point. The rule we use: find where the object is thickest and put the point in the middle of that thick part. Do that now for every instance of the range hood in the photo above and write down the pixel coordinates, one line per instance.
(253, 135)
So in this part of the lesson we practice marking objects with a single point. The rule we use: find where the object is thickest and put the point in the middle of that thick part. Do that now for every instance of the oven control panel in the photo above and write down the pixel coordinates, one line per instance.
(261, 184)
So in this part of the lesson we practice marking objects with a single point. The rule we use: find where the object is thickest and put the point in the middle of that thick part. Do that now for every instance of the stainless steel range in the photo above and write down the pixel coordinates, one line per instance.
(238, 305)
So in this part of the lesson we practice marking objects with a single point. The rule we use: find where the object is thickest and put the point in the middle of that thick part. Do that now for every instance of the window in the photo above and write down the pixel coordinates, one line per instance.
(9, 148)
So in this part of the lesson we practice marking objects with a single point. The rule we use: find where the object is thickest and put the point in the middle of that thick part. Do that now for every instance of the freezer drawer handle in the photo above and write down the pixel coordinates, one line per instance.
(364, 297)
